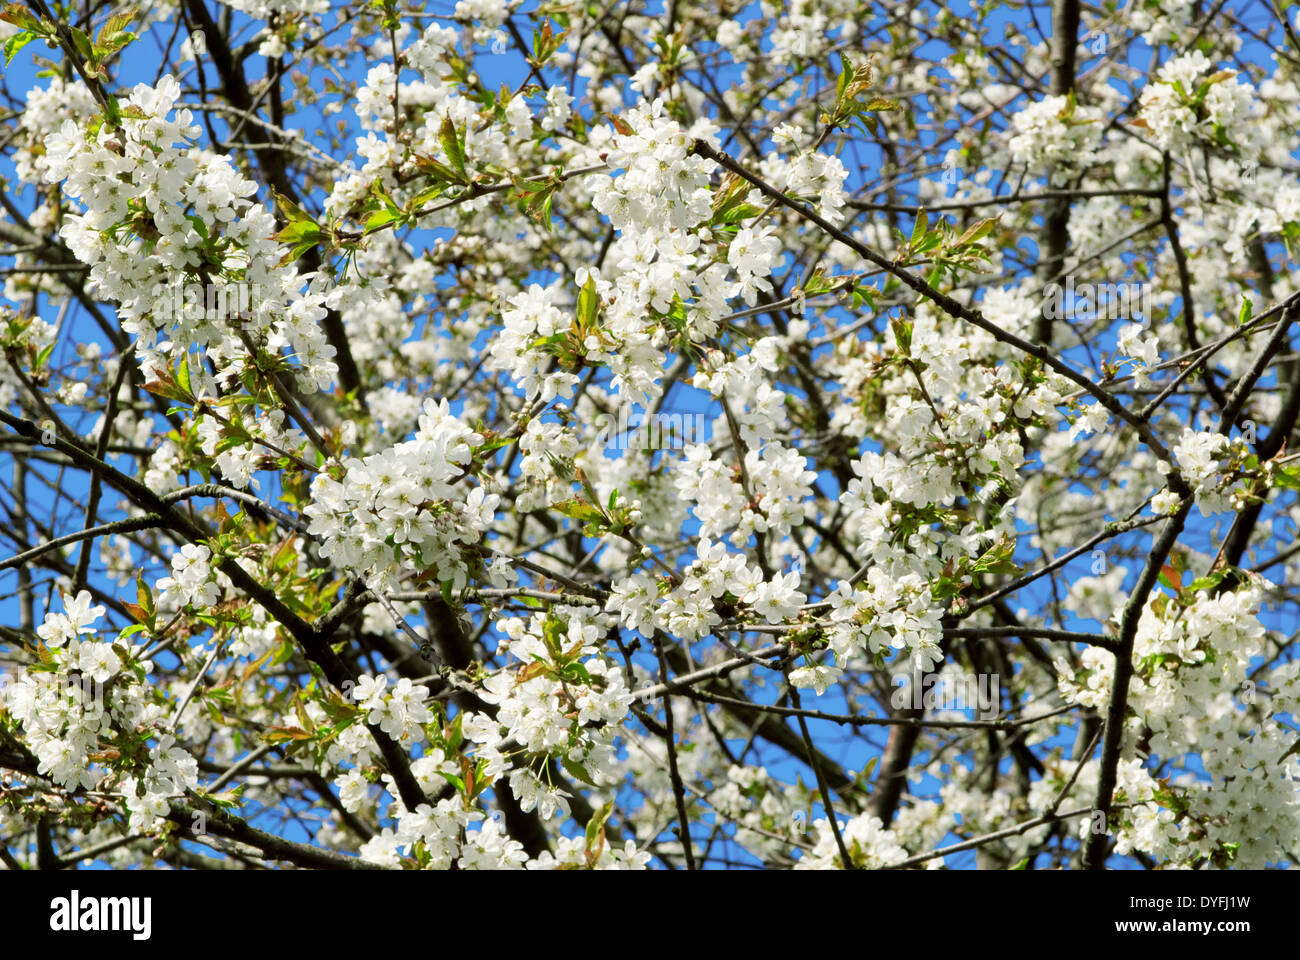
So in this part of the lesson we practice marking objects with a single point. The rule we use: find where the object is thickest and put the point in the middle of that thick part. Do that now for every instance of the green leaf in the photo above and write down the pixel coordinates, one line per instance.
(231, 441)
(576, 671)
(997, 559)
(455, 734)
(1207, 582)
(576, 770)
(424, 196)
(113, 36)
(82, 43)
(454, 780)
(281, 734)
(588, 304)
(596, 832)
(297, 252)
(143, 595)
(438, 170)
(1291, 238)
(291, 211)
(299, 231)
(920, 227)
(17, 14)
(453, 146)
(283, 654)
(16, 43)
(112, 43)
(1243, 316)
(498, 442)
(743, 211)
(546, 342)
(817, 284)
(545, 43)
(579, 509)
(881, 103)
(902, 335)
(1288, 477)
(115, 24)
(529, 187)
(542, 212)
(137, 611)
(380, 219)
(976, 231)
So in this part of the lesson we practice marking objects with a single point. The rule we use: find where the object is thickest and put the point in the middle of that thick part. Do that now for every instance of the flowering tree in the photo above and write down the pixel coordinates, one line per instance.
(823, 434)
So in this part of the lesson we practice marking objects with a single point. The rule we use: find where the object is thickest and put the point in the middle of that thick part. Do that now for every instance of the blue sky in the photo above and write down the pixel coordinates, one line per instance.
(142, 65)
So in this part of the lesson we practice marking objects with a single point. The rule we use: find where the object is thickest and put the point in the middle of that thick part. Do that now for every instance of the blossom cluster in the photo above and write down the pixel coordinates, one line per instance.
(1194, 694)
(400, 510)
(136, 181)
(79, 715)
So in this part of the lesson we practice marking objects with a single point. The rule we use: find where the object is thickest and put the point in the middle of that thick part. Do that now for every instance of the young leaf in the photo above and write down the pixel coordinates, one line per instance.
(588, 302)
(16, 43)
(920, 227)
(595, 833)
(453, 146)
